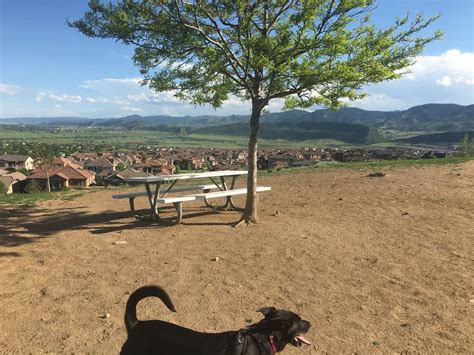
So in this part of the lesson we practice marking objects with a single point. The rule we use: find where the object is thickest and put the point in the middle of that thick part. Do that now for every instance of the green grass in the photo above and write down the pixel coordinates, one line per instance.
(165, 139)
(30, 199)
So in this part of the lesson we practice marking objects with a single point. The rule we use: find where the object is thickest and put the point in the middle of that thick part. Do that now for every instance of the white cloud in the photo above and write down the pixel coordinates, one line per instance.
(9, 89)
(445, 81)
(98, 99)
(445, 78)
(40, 96)
(452, 63)
(58, 106)
(131, 109)
(107, 82)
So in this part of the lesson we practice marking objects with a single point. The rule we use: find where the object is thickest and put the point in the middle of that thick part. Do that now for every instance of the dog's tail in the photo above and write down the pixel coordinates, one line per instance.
(143, 292)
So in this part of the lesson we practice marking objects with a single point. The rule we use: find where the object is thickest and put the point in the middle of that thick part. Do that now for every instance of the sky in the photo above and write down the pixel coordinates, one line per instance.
(49, 69)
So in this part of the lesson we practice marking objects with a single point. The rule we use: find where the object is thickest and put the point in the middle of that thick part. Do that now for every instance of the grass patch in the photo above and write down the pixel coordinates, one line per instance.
(30, 199)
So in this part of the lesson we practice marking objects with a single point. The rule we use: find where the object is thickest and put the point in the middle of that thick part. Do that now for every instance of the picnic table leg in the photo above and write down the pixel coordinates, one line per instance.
(131, 201)
(230, 201)
(222, 187)
(152, 198)
(179, 209)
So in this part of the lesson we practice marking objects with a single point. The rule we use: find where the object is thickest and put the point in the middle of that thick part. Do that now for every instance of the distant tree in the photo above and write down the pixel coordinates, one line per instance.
(3, 189)
(32, 186)
(466, 146)
(306, 52)
(24, 171)
(121, 166)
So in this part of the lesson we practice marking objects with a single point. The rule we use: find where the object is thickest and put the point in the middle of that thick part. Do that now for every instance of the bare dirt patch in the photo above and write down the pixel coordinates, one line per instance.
(376, 264)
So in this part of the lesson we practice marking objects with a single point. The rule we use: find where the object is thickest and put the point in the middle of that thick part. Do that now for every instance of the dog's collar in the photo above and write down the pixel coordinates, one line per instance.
(272, 344)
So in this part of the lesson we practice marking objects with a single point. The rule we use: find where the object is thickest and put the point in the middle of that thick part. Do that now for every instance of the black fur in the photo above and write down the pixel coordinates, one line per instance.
(163, 338)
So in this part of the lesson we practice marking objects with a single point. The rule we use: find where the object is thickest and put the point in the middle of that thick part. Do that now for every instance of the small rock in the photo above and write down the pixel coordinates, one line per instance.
(105, 316)
(340, 198)
(377, 174)
(120, 242)
(44, 291)
(404, 213)
(216, 259)
(277, 213)
(472, 301)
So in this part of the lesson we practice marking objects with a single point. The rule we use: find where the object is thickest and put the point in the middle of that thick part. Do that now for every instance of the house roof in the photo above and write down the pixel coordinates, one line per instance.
(61, 161)
(100, 161)
(3, 172)
(16, 176)
(129, 172)
(14, 158)
(67, 172)
(6, 181)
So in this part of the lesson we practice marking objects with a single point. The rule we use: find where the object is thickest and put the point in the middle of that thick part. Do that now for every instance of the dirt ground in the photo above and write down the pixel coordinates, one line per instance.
(375, 264)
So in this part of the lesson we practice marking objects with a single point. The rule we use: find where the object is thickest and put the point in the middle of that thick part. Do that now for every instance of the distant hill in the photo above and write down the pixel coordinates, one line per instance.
(350, 124)
(298, 131)
(438, 138)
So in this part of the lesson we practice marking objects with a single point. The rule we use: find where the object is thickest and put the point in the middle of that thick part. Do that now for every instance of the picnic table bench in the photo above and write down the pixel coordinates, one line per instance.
(156, 197)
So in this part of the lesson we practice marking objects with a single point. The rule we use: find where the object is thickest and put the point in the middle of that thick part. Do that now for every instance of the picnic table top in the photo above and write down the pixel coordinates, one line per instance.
(207, 174)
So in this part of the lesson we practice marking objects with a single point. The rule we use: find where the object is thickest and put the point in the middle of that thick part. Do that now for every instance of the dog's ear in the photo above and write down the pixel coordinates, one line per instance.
(266, 310)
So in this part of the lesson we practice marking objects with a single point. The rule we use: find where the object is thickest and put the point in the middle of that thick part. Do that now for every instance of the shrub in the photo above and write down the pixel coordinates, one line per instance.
(32, 187)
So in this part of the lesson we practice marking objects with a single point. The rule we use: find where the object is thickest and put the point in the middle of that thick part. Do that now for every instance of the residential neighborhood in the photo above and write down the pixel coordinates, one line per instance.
(84, 169)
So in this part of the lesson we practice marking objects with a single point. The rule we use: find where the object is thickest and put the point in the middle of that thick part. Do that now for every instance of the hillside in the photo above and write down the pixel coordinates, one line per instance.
(349, 124)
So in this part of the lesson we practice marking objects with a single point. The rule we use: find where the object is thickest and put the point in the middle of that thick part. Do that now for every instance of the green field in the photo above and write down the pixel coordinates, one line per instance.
(164, 139)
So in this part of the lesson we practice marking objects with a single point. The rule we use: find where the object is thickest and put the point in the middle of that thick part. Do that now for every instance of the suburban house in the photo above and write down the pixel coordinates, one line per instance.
(63, 176)
(156, 167)
(191, 163)
(12, 182)
(16, 162)
(99, 164)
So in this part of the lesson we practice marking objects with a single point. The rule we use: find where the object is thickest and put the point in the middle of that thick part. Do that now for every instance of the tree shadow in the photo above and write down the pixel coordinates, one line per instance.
(24, 226)
(19, 226)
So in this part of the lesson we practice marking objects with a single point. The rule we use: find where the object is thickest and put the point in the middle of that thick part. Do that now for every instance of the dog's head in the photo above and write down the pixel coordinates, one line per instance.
(284, 326)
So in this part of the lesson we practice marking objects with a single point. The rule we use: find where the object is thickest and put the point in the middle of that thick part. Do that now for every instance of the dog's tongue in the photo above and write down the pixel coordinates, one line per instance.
(303, 340)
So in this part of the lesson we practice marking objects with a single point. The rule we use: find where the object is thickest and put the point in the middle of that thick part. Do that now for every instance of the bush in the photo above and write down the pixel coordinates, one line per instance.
(32, 187)
(24, 171)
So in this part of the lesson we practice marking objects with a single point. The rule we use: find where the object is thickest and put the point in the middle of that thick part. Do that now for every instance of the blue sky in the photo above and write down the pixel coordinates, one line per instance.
(49, 69)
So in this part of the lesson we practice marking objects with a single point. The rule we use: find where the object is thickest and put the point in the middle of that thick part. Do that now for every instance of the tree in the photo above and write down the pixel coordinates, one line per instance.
(466, 146)
(305, 52)
(3, 189)
(47, 165)
(121, 166)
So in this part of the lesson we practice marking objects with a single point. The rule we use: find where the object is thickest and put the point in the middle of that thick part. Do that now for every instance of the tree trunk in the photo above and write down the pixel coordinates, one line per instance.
(47, 180)
(250, 214)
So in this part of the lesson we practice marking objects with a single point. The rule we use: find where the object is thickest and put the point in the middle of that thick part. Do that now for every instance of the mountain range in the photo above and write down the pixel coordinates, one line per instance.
(349, 124)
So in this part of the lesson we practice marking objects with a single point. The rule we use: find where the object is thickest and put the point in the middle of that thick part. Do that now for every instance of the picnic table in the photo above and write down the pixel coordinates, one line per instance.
(158, 187)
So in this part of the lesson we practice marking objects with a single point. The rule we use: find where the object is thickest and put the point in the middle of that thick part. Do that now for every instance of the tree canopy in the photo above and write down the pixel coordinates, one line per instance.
(306, 52)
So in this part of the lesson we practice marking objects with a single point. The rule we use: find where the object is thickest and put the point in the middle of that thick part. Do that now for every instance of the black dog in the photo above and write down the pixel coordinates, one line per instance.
(268, 336)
